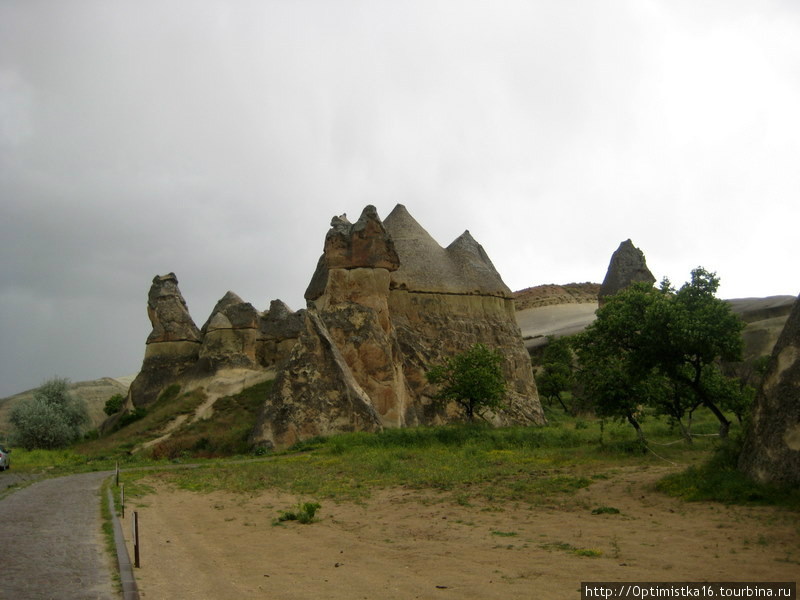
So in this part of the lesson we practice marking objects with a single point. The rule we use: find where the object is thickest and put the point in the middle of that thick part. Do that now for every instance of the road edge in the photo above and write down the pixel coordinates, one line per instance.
(130, 591)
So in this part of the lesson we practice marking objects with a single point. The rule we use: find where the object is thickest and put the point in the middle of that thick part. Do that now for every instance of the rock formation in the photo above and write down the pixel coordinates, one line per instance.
(626, 267)
(229, 335)
(172, 347)
(442, 302)
(279, 328)
(384, 304)
(235, 336)
(772, 448)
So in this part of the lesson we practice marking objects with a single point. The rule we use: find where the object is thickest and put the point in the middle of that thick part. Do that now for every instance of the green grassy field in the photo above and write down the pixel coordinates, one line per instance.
(462, 462)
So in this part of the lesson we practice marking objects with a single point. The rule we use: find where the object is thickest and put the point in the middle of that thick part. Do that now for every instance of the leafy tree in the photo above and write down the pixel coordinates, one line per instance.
(557, 374)
(700, 332)
(658, 347)
(114, 404)
(473, 379)
(53, 418)
(618, 390)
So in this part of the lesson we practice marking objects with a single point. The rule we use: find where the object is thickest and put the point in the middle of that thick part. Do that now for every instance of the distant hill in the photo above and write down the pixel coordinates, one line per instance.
(560, 310)
(95, 392)
(552, 294)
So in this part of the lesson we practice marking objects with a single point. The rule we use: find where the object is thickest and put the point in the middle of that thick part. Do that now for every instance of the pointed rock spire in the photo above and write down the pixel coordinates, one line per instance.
(475, 267)
(627, 266)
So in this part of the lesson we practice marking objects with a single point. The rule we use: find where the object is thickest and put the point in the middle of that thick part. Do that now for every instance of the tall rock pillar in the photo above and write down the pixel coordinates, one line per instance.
(173, 345)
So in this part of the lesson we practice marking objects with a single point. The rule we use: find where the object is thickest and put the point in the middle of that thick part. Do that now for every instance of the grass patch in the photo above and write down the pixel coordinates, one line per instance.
(605, 510)
(564, 547)
(468, 463)
(108, 532)
(718, 479)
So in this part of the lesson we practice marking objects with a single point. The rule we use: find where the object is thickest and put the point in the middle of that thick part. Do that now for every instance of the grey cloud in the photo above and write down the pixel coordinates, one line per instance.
(216, 140)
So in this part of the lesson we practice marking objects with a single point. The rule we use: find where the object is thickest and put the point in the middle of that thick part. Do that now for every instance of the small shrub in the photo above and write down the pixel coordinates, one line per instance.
(114, 404)
(131, 417)
(305, 513)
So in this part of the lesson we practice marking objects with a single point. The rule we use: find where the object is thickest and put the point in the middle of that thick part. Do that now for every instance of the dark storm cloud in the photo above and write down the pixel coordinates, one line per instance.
(216, 139)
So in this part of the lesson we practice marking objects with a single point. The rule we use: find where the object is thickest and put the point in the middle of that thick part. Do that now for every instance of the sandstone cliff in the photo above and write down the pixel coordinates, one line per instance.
(384, 304)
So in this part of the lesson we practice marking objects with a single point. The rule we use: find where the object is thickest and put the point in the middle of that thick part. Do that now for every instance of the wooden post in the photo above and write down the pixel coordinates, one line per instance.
(117, 473)
(122, 499)
(136, 539)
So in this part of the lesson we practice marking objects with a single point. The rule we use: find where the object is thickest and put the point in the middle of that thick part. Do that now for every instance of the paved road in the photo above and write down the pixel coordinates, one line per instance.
(51, 544)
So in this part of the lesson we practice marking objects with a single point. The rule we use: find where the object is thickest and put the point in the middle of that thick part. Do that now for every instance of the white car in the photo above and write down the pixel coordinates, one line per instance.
(5, 459)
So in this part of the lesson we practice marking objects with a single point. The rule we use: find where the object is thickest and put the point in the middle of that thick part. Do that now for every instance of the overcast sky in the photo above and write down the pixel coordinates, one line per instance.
(217, 138)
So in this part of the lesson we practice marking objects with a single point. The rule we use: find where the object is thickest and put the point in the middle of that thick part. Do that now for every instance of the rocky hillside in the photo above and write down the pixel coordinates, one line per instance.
(551, 294)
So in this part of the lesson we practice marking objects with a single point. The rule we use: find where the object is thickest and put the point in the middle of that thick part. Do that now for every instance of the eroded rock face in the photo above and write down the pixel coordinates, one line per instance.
(230, 335)
(442, 301)
(627, 266)
(172, 347)
(385, 303)
(279, 329)
(772, 448)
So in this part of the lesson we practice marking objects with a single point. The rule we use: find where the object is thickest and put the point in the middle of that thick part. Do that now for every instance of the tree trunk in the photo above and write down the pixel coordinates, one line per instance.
(724, 424)
(561, 402)
(687, 434)
(639, 431)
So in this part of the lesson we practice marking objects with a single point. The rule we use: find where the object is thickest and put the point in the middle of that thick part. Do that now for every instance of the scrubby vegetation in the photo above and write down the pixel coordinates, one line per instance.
(719, 479)
(224, 433)
(53, 418)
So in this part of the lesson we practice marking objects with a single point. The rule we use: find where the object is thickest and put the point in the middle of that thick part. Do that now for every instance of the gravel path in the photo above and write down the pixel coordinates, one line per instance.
(52, 543)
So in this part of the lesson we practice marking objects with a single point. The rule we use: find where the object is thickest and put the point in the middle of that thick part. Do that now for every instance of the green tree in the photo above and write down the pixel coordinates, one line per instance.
(700, 332)
(662, 348)
(557, 374)
(472, 379)
(53, 418)
(114, 404)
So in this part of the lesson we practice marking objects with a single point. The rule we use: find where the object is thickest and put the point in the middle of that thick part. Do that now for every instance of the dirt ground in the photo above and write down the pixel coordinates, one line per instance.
(411, 544)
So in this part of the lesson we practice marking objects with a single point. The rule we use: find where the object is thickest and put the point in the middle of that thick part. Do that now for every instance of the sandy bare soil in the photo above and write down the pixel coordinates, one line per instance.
(411, 544)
